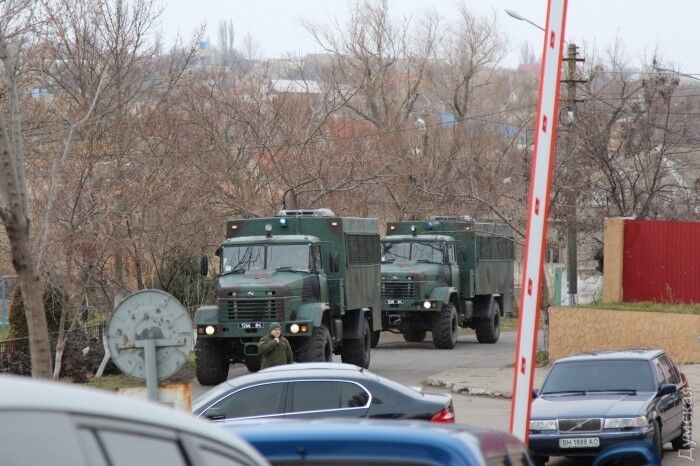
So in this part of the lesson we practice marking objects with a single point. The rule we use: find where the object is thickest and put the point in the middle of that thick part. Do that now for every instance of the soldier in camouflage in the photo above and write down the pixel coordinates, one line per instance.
(274, 349)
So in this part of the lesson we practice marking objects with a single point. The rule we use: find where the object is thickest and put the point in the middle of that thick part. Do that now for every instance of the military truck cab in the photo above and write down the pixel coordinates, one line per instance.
(313, 272)
(445, 273)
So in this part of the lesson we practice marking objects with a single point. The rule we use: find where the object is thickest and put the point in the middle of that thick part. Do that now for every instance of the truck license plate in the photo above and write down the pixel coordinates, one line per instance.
(250, 325)
(585, 442)
(394, 301)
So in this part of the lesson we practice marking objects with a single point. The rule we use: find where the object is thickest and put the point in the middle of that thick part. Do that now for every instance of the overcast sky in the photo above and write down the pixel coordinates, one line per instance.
(643, 25)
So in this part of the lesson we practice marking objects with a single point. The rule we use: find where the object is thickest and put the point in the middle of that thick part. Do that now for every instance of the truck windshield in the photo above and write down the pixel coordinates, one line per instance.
(259, 257)
(422, 251)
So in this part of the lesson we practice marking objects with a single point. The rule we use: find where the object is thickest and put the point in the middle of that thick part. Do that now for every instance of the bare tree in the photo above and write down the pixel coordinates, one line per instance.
(15, 23)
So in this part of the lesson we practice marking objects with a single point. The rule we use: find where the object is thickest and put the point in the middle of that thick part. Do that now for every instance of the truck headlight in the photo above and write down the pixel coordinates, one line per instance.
(626, 422)
(549, 424)
(294, 328)
(210, 330)
(426, 304)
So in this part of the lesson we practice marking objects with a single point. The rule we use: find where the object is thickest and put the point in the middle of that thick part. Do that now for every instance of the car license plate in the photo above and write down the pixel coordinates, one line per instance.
(250, 325)
(584, 442)
(394, 301)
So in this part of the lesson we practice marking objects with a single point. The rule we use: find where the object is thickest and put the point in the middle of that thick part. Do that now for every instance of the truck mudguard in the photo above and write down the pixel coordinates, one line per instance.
(313, 312)
(206, 315)
(442, 293)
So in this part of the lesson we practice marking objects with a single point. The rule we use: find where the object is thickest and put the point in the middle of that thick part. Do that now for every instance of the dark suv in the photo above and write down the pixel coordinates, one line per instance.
(595, 400)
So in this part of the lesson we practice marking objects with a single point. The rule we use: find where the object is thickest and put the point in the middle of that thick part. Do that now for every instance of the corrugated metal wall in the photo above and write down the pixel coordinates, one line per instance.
(661, 261)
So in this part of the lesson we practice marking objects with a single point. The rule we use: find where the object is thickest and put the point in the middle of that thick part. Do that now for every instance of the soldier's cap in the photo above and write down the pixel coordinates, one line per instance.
(275, 325)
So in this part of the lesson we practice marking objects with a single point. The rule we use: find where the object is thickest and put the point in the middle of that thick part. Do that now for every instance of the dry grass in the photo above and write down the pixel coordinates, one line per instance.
(647, 307)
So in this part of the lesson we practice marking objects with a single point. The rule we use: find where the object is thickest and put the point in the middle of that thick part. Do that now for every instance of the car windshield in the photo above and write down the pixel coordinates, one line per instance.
(593, 376)
(259, 257)
(419, 251)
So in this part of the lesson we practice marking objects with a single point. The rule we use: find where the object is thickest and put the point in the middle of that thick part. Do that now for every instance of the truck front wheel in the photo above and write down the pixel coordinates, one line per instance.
(252, 363)
(413, 332)
(318, 348)
(489, 329)
(212, 361)
(445, 328)
(358, 352)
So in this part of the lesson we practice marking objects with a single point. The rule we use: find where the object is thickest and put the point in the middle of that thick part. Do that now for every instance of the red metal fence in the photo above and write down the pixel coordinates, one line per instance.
(661, 261)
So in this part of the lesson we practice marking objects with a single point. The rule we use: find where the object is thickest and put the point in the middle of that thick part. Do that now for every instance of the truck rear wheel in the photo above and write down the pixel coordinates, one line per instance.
(358, 352)
(375, 338)
(412, 332)
(445, 328)
(212, 361)
(318, 348)
(488, 330)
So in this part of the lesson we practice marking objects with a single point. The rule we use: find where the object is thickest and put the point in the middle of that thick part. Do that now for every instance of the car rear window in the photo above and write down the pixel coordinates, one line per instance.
(600, 375)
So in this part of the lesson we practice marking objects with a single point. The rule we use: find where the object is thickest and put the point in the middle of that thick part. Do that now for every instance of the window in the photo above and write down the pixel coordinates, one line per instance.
(660, 375)
(316, 257)
(260, 400)
(363, 249)
(353, 396)
(91, 447)
(669, 371)
(126, 449)
(315, 396)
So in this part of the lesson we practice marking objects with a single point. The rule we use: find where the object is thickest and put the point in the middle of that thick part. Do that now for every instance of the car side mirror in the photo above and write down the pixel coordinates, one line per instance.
(667, 389)
(631, 454)
(217, 253)
(204, 266)
(214, 414)
(535, 393)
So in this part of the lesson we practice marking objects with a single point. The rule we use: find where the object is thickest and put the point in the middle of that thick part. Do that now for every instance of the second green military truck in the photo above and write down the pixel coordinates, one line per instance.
(313, 272)
(445, 273)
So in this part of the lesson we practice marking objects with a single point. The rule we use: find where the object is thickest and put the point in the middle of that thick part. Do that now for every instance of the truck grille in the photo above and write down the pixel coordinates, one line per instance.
(579, 425)
(399, 290)
(252, 309)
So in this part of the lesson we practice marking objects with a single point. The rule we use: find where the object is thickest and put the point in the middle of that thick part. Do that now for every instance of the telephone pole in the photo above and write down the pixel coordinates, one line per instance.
(570, 194)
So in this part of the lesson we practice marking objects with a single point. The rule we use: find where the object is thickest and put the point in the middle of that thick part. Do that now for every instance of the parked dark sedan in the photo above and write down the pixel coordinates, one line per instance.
(595, 400)
(314, 390)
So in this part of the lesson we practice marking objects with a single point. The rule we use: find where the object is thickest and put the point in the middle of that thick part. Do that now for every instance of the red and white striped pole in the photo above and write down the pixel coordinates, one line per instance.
(537, 218)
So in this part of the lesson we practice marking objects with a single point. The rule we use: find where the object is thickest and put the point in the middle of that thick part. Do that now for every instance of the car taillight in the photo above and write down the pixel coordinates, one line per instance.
(446, 415)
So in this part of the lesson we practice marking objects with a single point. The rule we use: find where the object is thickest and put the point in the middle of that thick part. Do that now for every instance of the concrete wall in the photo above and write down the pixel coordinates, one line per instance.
(573, 330)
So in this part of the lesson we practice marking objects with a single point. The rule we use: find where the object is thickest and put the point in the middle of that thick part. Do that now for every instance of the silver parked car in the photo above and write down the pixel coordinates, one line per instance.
(45, 422)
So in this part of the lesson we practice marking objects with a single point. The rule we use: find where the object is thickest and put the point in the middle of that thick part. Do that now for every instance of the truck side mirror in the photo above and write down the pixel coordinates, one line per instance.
(204, 266)
(217, 253)
(333, 262)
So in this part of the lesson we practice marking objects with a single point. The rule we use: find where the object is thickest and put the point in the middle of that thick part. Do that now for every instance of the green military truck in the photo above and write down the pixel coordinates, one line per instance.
(315, 273)
(443, 273)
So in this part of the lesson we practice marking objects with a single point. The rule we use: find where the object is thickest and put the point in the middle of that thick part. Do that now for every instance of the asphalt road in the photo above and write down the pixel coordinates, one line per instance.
(411, 363)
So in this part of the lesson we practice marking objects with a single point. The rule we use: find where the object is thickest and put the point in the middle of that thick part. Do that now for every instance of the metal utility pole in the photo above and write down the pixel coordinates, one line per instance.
(570, 194)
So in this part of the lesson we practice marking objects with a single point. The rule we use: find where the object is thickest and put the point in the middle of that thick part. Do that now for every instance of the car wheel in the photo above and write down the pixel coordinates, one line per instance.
(317, 348)
(489, 330)
(375, 338)
(212, 361)
(445, 328)
(358, 352)
(658, 445)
